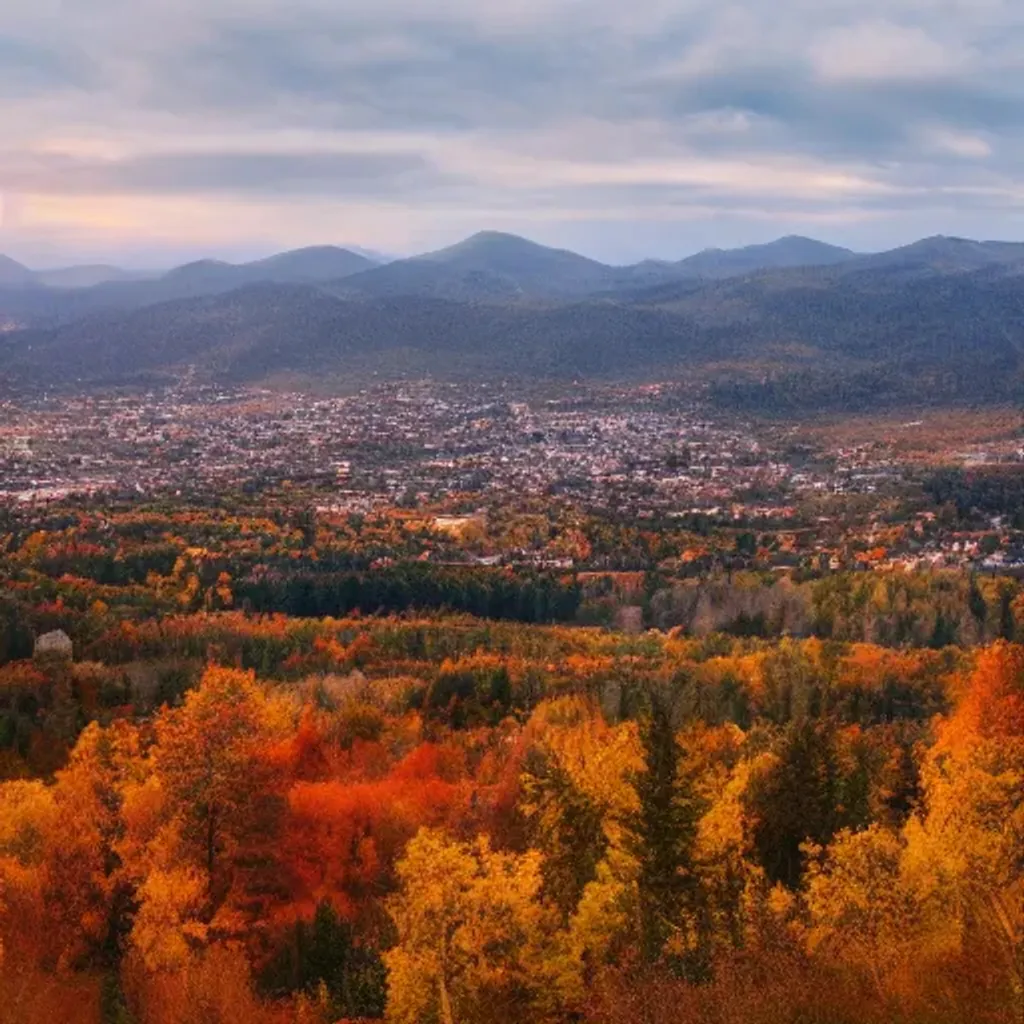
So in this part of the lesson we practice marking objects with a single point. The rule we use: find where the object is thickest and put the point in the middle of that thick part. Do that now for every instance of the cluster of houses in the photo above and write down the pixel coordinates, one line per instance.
(638, 452)
(611, 447)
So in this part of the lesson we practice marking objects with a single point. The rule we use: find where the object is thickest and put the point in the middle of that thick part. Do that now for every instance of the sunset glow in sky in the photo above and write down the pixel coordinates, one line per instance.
(144, 131)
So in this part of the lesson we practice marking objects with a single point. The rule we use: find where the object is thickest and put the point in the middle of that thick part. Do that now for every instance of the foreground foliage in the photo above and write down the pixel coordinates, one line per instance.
(455, 820)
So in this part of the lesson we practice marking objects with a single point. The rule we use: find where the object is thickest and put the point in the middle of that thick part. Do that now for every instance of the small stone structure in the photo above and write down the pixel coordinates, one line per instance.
(55, 646)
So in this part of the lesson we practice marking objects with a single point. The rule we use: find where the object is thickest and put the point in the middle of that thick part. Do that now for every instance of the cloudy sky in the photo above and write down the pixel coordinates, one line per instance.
(147, 130)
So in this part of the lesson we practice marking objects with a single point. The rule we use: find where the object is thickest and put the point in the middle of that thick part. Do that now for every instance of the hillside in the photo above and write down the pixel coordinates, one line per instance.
(941, 320)
(489, 267)
(265, 330)
(51, 297)
(786, 339)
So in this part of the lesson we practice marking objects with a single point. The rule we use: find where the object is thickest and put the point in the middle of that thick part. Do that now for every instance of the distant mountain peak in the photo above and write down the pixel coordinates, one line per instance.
(489, 235)
(786, 252)
(939, 241)
(312, 263)
(316, 263)
(501, 242)
(199, 266)
(949, 252)
(488, 266)
(307, 250)
(13, 273)
(483, 242)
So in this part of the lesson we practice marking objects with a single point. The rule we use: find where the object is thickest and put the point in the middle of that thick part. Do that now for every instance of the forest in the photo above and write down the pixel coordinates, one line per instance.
(283, 769)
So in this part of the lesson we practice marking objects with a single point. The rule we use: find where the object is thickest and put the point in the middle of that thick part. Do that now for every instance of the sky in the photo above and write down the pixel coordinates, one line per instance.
(145, 132)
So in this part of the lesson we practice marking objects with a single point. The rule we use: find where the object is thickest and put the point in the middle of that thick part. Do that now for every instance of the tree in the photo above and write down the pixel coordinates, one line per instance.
(86, 878)
(475, 942)
(29, 818)
(796, 801)
(965, 856)
(600, 763)
(168, 925)
(861, 911)
(212, 760)
(566, 825)
(200, 829)
(724, 850)
(663, 840)
(327, 963)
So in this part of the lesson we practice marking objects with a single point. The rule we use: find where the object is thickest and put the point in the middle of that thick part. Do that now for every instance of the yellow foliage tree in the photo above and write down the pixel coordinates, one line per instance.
(212, 757)
(601, 762)
(475, 940)
(167, 926)
(724, 852)
(861, 911)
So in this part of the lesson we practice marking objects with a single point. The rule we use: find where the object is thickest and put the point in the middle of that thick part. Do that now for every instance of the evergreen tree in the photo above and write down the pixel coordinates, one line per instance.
(664, 835)
(567, 828)
(798, 801)
(325, 961)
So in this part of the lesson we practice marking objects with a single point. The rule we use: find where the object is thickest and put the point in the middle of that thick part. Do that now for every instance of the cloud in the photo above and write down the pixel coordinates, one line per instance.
(252, 123)
(29, 68)
(884, 51)
(962, 144)
(312, 173)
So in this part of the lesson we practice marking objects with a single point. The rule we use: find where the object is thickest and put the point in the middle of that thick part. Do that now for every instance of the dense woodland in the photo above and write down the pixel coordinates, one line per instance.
(294, 771)
(90, 569)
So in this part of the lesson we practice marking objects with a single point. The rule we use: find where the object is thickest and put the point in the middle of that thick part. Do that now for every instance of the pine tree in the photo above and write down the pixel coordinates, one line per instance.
(567, 828)
(664, 836)
(797, 802)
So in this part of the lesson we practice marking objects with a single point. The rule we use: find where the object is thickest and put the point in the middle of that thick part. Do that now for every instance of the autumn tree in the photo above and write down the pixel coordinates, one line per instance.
(88, 892)
(598, 764)
(966, 854)
(29, 819)
(475, 941)
(211, 757)
(735, 885)
(202, 825)
(862, 913)
(58, 843)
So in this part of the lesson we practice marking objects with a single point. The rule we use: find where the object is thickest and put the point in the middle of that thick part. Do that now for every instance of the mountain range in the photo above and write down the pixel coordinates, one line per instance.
(792, 325)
